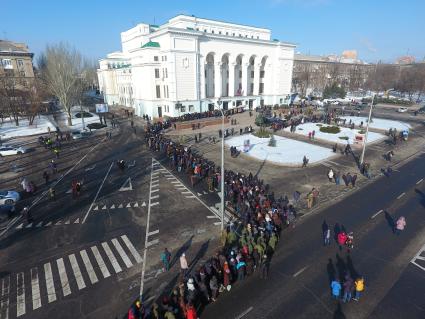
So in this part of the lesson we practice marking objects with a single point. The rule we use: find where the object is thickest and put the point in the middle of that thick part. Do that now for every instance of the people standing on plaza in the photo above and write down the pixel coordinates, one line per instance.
(183, 264)
(264, 267)
(400, 224)
(359, 288)
(310, 200)
(326, 234)
(342, 238)
(348, 288)
(337, 178)
(46, 177)
(336, 289)
(165, 259)
(305, 161)
(330, 175)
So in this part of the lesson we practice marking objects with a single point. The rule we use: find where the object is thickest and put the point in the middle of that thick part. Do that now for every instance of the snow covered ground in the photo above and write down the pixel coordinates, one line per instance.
(380, 124)
(77, 123)
(305, 128)
(287, 151)
(8, 129)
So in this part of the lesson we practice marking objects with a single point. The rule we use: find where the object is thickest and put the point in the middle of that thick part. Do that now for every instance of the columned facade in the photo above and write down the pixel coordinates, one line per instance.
(189, 64)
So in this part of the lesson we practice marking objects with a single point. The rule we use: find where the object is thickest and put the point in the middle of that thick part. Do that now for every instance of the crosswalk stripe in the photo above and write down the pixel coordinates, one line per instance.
(67, 222)
(20, 294)
(39, 224)
(29, 225)
(111, 257)
(89, 267)
(100, 262)
(4, 305)
(35, 289)
(131, 248)
(77, 273)
(63, 277)
(122, 253)
(77, 221)
(50, 284)
(48, 224)
(20, 226)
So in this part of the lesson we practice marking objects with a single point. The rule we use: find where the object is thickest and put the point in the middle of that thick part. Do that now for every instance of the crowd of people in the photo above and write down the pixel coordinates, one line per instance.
(247, 246)
(196, 116)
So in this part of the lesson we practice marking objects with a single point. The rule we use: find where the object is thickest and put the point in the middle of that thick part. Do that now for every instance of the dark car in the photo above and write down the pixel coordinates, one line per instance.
(6, 212)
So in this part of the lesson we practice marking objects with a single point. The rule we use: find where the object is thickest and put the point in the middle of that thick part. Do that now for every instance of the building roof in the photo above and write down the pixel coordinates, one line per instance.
(151, 44)
(9, 46)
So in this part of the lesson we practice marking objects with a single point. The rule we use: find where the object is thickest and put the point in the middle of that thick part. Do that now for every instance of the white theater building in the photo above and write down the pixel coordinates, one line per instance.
(193, 65)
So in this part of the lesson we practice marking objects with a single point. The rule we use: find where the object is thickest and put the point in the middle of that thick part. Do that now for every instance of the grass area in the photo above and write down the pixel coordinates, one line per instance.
(262, 133)
(343, 138)
(330, 129)
(362, 132)
(319, 125)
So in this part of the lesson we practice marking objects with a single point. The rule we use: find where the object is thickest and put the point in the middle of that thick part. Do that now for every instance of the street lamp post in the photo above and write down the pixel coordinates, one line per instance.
(222, 163)
(367, 130)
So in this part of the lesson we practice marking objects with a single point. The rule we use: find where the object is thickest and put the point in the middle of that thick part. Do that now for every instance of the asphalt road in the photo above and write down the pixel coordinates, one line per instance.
(298, 285)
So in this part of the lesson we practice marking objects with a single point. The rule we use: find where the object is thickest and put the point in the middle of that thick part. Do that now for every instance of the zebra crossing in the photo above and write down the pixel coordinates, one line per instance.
(419, 259)
(27, 291)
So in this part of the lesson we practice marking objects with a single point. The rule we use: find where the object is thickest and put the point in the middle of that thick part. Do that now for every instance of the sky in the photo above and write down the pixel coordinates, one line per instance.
(379, 30)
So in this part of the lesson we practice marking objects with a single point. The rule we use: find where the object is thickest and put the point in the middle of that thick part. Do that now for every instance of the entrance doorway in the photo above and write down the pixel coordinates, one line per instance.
(211, 107)
(159, 111)
(225, 105)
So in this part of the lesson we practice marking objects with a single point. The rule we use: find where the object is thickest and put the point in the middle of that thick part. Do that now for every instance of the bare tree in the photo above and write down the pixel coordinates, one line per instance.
(62, 70)
(11, 97)
(34, 95)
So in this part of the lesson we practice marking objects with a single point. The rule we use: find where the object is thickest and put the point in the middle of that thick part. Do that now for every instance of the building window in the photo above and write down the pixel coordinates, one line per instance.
(155, 58)
(262, 74)
(190, 108)
(20, 63)
(261, 89)
(252, 88)
(240, 35)
(252, 74)
(205, 30)
(166, 91)
(166, 73)
(246, 35)
(158, 92)
(227, 33)
(252, 37)
(233, 34)
(212, 31)
(197, 29)
(183, 108)
(156, 73)
(219, 32)
(22, 73)
(258, 37)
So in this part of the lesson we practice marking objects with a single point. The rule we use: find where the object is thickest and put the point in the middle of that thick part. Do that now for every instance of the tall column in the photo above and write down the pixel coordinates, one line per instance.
(217, 79)
(256, 79)
(244, 80)
(232, 79)
(202, 77)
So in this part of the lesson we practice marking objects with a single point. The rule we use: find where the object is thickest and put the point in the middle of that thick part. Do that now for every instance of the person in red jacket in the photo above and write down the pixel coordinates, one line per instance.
(191, 312)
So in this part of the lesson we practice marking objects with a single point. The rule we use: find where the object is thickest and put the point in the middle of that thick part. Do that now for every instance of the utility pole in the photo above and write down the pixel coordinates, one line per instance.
(367, 131)
(82, 115)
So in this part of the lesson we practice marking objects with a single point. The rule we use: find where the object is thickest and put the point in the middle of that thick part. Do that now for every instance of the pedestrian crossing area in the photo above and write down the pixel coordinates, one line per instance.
(419, 259)
(41, 224)
(107, 207)
(23, 292)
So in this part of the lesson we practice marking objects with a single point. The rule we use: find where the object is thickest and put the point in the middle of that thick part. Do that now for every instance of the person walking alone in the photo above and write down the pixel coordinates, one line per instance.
(183, 264)
(359, 287)
(165, 258)
(400, 224)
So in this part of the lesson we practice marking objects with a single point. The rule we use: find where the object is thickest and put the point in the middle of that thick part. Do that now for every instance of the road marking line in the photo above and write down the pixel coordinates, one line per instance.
(153, 242)
(29, 225)
(128, 205)
(154, 190)
(176, 182)
(50, 284)
(122, 253)
(68, 222)
(153, 197)
(376, 214)
(205, 193)
(39, 224)
(58, 223)
(89, 267)
(212, 216)
(144, 204)
(4, 305)
(419, 181)
(100, 262)
(217, 223)
(136, 204)
(154, 204)
(97, 194)
(20, 226)
(243, 314)
(48, 224)
(96, 208)
(154, 232)
(20, 294)
(188, 192)
(77, 272)
(300, 271)
(111, 257)
(113, 206)
(192, 196)
(35, 289)
(120, 206)
(132, 249)
(77, 221)
(170, 178)
(401, 195)
(181, 188)
(63, 277)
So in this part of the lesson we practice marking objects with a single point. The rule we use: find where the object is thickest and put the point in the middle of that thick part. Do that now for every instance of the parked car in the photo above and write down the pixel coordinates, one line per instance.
(402, 109)
(76, 135)
(12, 150)
(6, 212)
(9, 197)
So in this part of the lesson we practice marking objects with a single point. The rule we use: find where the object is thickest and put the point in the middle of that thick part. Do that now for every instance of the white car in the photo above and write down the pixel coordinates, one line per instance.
(402, 110)
(76, 135)
(12, 150)
(9, 197)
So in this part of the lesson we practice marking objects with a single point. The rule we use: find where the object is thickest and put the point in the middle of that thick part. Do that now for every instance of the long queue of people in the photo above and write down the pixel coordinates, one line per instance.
(246, 246)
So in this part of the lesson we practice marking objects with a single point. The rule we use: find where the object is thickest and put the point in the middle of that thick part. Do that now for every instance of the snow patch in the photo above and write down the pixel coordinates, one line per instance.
(380, 124)
(40, 125)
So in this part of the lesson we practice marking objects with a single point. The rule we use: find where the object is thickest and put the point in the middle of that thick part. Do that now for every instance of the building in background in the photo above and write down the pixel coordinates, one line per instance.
(189, 64)
(15, 61)
(312, 73)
